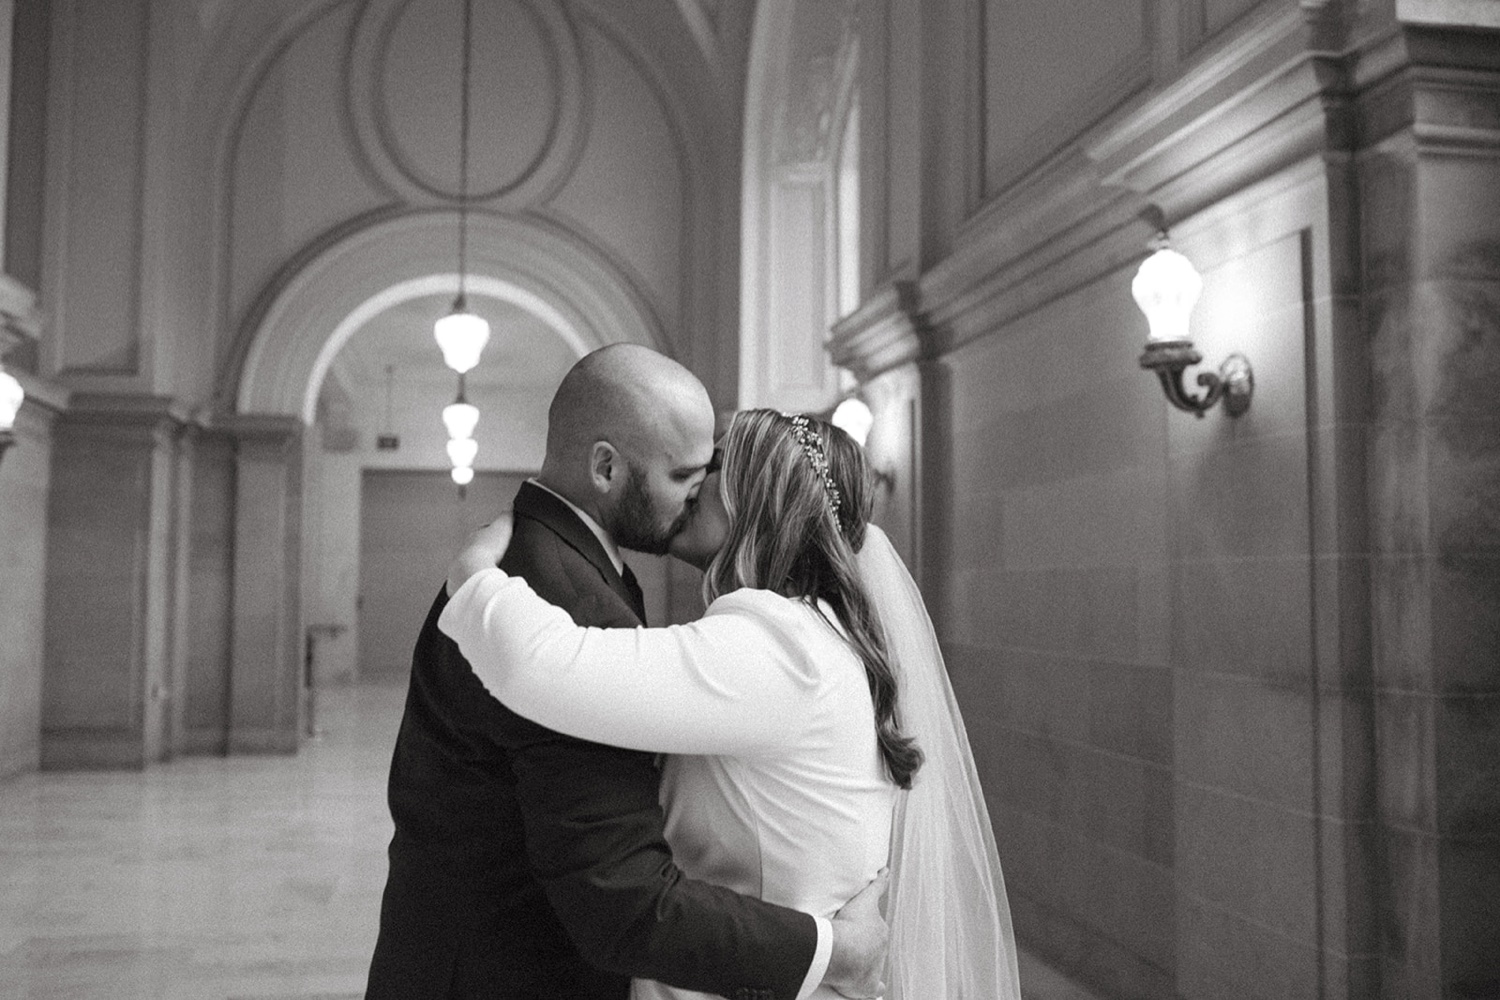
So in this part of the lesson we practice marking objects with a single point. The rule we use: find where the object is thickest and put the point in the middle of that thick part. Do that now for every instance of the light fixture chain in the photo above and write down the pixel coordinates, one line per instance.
(463, 147)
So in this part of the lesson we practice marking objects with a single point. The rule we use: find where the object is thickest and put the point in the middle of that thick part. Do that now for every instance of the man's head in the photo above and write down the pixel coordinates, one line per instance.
(629, 435)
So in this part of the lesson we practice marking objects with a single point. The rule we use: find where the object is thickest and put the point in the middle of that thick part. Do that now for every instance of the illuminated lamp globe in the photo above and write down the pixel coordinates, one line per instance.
(460, 419)
(854, 418)
(462, 336)
(11, 397)
(461, 452)
(1166, 288)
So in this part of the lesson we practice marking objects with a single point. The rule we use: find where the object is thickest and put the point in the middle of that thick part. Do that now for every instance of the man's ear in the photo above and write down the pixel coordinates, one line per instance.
(606, 466)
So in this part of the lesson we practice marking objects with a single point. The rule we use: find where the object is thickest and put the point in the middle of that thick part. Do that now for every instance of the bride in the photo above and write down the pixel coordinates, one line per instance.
(812, 735)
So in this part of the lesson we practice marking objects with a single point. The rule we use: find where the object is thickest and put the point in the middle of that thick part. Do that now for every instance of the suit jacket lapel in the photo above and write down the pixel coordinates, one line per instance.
(541, 506)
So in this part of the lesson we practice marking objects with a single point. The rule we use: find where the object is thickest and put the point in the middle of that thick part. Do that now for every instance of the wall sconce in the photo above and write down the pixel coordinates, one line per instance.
(1166, 288)
(11, 397)
(854, 418)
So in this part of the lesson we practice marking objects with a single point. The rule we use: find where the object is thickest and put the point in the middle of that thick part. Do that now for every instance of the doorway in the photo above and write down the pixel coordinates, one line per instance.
(411, 525)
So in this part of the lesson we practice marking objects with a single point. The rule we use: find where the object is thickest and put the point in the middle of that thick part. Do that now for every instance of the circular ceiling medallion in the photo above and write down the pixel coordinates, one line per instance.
(404, 92)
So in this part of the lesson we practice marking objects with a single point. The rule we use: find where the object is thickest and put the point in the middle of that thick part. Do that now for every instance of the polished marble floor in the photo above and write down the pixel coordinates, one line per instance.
(205, 878)
(249, 878)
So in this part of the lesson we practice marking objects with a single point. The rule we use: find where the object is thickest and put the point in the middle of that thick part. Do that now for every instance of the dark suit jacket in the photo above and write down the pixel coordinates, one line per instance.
(529, 864)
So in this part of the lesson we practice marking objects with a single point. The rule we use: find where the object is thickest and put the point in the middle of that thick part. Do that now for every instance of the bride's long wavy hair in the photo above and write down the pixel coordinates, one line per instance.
(785, 537)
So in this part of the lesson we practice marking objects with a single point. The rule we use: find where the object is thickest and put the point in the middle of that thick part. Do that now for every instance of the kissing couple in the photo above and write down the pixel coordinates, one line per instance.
(773, 802)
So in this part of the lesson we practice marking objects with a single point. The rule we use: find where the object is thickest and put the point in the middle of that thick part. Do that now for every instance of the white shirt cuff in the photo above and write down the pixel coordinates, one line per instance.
(821, 956)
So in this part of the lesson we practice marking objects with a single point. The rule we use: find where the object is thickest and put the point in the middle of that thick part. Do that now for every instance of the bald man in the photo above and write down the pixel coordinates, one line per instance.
(531, 865)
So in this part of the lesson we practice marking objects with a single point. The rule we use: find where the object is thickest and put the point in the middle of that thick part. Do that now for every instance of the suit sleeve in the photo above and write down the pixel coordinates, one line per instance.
(734, 682)
(608, 874)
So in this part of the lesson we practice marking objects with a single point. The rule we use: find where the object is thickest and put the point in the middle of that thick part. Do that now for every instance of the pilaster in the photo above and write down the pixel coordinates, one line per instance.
(24, 485)
(1429, 192)
(113, 521)
(266, 655)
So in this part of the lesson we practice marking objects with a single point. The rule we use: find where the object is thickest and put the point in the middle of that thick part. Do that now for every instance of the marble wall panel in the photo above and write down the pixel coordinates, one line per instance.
(1257, 861)
(210, 596)
(1115, 900)
(1083, 611)
(1097, 431)
(1113, 801)
(24, 487)
(1465, 623)
(1348, 861)
(1114, 517)
(1242, 499)
(266, 655)
(1248, 617)
(92, 293)
(1469, 883)
(95, 577)
(1222, 954)
(1051, 71)
(1203, 19)
(1238, 735)
(111, 584)
(1406, 748)
(1119, 708)
(1343, 631)
(1411, 913)
(632, 188)
(1101, 963)
(1467, 773)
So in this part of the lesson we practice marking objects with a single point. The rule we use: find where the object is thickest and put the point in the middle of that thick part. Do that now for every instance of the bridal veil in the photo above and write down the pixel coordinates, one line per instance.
(951, 934)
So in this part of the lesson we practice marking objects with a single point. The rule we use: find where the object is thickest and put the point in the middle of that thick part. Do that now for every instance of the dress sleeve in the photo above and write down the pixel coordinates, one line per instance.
(732, 682)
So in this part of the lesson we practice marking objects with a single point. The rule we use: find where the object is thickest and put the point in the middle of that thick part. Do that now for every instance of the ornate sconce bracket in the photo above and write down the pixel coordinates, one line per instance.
(1234, 383)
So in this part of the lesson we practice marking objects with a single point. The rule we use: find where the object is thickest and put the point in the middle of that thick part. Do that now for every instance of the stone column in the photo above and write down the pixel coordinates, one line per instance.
(113, 518)
(266, 651)
(1430, 223)
(24, 480)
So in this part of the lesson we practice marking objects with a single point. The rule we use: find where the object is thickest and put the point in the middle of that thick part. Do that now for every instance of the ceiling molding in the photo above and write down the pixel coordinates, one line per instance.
(377, 134)
(302, 320)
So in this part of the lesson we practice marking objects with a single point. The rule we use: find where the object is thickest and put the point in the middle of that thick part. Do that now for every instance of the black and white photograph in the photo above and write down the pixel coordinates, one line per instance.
(755, 499)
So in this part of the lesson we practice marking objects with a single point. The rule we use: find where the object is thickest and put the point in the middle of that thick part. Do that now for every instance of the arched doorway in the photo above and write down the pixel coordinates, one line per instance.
(569, 295)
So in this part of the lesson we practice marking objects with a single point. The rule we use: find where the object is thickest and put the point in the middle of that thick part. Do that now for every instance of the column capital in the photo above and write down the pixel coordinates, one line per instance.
(266, 429)
(883, 333)
(127, 414)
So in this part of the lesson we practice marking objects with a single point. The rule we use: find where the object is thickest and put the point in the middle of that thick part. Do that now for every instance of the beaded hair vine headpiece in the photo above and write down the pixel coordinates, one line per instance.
(812, 447)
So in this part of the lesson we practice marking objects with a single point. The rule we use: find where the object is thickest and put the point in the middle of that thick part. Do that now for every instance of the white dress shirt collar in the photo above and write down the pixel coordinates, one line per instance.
(610, 548)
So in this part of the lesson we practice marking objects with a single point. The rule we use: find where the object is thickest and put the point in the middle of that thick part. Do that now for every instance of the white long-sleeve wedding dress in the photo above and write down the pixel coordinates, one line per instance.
(775, 786)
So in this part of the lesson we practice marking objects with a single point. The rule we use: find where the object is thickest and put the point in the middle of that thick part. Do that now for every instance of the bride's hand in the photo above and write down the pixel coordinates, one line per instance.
(860, 941)
(484, 550)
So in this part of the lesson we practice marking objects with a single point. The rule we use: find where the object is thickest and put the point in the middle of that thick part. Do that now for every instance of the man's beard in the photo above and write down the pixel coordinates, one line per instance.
(636, 524)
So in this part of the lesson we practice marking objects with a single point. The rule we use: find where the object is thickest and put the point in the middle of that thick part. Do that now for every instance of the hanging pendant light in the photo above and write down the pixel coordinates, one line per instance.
(461, 417)
(461, 334)
(462, 452)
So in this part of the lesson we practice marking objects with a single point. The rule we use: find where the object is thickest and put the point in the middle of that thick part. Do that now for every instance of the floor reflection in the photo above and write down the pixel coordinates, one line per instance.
(251, 877)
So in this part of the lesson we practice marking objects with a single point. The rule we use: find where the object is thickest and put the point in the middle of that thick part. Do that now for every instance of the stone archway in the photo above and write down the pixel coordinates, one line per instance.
(284, 349)
(268, 394)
